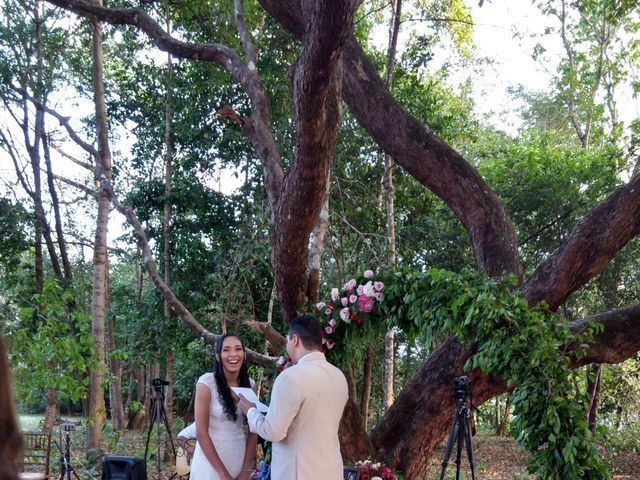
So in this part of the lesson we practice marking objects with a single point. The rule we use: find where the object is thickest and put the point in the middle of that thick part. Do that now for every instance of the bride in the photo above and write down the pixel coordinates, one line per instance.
(226, 449)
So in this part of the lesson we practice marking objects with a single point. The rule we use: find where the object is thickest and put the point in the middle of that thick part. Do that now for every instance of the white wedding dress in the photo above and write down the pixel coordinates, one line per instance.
(228, 437)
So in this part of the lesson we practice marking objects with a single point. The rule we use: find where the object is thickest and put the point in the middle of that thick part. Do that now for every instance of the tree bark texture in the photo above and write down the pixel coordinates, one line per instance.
(317, 107)
(115, 382)
(100, 263)
(10, 436)
(420, 152)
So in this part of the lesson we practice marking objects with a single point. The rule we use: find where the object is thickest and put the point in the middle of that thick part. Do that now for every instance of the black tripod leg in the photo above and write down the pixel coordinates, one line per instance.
(469, 446)
(461, 436)
(453, 433)
(151, 421)
(166, 425)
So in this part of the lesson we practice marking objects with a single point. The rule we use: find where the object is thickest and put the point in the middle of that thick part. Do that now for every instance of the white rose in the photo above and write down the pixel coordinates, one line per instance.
(368, 289)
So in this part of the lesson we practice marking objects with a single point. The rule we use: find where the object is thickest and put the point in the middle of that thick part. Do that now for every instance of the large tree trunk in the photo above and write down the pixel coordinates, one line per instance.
(103, 170)
(317, 91)
(10, 437)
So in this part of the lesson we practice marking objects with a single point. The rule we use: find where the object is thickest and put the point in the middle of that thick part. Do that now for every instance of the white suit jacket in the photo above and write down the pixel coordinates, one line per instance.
(307, 401)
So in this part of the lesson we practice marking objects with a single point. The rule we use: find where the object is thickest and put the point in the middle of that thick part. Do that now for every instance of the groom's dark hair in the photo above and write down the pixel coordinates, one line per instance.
(308, 330)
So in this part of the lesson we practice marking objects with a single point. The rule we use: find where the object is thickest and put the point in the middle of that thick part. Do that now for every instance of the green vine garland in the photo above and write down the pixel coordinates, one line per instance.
(524, 346)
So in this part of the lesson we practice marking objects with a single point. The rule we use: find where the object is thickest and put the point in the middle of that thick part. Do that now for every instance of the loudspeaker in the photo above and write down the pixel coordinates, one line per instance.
(123, 468)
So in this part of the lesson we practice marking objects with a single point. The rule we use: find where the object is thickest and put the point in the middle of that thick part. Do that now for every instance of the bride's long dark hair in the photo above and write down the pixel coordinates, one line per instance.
(224, 392)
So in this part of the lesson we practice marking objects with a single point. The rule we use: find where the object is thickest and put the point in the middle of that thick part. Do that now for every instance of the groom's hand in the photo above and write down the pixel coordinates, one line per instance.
(245, 404)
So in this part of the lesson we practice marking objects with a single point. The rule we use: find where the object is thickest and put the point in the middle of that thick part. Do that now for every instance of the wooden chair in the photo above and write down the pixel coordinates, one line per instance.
(36, 453)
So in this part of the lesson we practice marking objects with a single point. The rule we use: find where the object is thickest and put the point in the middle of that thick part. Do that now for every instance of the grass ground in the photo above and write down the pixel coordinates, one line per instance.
(497, 458)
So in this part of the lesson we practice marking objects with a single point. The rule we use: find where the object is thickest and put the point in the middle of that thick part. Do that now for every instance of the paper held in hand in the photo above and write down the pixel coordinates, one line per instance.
(250, 395)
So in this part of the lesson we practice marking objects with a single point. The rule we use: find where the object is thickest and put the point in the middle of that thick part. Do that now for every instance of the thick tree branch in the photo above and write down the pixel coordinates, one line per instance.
(317, 102)
(592, 244)
(416, 423)
(421, 153)
(277, 341)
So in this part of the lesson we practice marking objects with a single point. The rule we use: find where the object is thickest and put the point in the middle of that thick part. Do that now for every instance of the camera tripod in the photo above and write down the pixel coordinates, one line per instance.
(65, 459)
(157, 415)
(460, 427)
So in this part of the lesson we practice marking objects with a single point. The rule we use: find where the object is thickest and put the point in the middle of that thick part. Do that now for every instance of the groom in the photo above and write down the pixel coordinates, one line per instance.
(307, 401)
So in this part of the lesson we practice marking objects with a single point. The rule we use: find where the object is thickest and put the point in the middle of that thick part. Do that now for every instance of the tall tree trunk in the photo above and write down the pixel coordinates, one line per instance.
(52, 411)
(389, 195)
(115, 382)
(62, 245)
(504, 421)
(594, 381)
(171, 360)
(365, 395)
(136, 419)
(167, 219)
(103, 171)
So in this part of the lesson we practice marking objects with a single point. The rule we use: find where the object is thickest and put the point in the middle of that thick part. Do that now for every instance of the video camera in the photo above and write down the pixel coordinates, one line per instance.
(158, 382)
(68, 427)
(462, 387)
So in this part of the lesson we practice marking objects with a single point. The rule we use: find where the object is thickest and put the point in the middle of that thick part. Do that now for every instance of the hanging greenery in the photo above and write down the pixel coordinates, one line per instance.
(524, 346)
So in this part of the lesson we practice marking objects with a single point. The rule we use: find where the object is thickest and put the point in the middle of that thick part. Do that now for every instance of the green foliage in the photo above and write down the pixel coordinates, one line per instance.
(51, 346)
(522, 345)
(13, 223)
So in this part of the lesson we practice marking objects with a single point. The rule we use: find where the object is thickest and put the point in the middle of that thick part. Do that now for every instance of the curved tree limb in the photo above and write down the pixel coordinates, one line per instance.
(416, 423)
(420, 152)
(317, 90)
(594, 241)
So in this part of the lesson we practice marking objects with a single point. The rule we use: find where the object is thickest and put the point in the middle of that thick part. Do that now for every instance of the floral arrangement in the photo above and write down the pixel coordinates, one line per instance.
(354, 302)
(374, 471)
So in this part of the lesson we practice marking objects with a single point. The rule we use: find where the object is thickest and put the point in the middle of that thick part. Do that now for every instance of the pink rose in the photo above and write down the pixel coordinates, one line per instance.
(360, 289)
(332, 323)
(353, 299)
(365, 303)
(378, 296)
(344, 301)
(349, 285)
(328, 330)
(378, 286)
(328, 311)
(368, 274)
(345, 314)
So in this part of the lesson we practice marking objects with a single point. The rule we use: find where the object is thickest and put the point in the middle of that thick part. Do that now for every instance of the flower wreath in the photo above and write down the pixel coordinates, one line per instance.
(355, 302)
